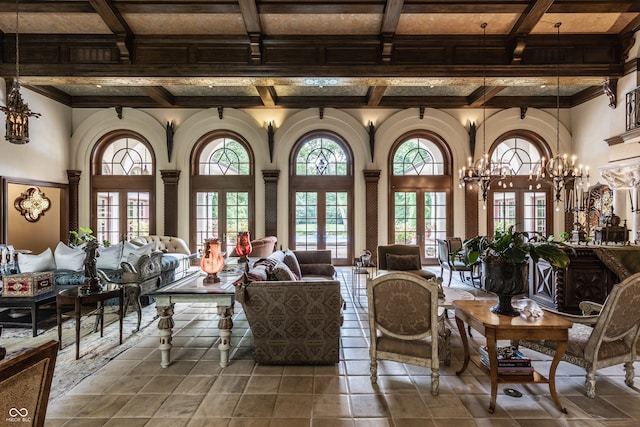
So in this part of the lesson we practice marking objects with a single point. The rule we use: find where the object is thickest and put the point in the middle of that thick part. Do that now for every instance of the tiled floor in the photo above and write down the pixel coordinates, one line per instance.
(132, 389)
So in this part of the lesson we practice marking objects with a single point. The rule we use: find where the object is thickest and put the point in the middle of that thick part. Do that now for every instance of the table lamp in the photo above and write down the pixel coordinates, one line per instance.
(212, 261)
(243, 246)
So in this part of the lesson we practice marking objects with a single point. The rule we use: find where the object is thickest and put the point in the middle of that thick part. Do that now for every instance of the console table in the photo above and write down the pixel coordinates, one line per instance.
(37, 306)
(191, 289)
(496, 327)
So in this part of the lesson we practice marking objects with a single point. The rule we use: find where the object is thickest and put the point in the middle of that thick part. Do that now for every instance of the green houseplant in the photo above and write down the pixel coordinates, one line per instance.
(504, 262)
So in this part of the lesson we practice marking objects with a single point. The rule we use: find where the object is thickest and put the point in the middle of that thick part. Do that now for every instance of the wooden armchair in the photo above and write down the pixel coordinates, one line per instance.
(404, 322)
(448, 250)
(606, 339)
(25, 384)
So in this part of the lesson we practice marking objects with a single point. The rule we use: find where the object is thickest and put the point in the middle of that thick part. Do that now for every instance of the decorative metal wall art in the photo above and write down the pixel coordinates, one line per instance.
(32, 204)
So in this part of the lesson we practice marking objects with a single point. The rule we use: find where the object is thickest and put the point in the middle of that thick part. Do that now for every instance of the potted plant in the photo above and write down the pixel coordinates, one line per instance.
(504, 262)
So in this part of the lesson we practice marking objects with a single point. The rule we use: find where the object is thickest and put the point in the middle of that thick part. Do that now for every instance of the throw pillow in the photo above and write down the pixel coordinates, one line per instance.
(109, 257)
(44, 261)
(404, 262)
(291, 260)
(68, 258)
(280, 273)
(257, 274)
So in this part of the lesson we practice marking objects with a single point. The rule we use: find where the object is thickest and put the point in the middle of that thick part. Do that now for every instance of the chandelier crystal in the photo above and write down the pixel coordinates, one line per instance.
(561, 171)
(17, 112)
(484, 172)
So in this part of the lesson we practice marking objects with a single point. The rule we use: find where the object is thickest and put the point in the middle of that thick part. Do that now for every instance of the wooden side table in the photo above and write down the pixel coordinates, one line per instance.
(496, 327)
(76, 298)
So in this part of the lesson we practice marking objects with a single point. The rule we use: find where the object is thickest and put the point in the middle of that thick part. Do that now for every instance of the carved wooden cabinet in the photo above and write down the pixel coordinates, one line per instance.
(585, 278)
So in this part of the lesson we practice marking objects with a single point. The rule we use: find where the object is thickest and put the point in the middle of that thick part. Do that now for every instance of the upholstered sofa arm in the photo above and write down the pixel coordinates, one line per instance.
(168, 244)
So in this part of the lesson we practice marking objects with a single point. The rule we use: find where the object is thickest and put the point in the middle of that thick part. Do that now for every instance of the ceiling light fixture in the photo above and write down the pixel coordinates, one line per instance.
(560, 171)
(18, 113)
(483, 172)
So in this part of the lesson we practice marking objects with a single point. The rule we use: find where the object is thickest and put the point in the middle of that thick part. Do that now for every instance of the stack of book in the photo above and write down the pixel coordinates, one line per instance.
(510, 361)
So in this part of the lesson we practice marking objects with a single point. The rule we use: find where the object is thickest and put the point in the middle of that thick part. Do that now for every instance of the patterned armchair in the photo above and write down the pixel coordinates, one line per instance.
(605, 339)
(404, 322)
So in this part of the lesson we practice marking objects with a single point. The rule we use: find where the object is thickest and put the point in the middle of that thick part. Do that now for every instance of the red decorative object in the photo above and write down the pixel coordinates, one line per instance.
(243, 247)
(212, 261)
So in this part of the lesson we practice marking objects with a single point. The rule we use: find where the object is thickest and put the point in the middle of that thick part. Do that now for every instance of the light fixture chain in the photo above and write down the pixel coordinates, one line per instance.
(558, 88)
(17, 41)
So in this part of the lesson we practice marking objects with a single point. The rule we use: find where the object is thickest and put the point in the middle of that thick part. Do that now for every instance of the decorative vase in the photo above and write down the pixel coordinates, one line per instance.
(504, 279)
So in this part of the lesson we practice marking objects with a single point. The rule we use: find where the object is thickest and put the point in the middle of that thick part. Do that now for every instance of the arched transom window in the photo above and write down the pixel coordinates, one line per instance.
(418, 156)
(321, 156)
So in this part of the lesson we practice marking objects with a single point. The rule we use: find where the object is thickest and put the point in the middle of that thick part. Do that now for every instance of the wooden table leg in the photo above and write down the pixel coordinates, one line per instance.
(560, 349)
(165, 327)
(225, 324)
(121, 312)
(465, 346)
(59, 319)
(77, 314)
(493, 367)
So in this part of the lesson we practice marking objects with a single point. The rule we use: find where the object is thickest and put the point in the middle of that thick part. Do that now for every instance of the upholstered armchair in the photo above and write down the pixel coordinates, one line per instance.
(406, 258)
(404, 322)
(605, 339)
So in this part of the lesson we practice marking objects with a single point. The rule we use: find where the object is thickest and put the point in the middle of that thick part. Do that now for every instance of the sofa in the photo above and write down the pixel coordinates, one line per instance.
(294, 313)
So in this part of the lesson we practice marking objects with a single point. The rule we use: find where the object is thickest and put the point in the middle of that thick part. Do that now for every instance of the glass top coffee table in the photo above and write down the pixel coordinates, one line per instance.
(191, 289)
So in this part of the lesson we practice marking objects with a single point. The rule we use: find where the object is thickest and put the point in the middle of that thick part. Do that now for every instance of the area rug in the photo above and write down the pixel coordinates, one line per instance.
(95, 351)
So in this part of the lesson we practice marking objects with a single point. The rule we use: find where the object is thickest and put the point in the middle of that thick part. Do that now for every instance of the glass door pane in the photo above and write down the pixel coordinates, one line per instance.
(207, 218)
(237, 216)
(405, 218)
(306, 220)
(535, 212)
(138, 214)
(504, 210)
(435, 221)
(108, 216)
(337, 232)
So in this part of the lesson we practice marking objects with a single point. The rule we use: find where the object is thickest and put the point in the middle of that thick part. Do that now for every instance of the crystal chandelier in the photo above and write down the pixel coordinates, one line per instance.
(484, 172)
(561, 171)
(18, 113)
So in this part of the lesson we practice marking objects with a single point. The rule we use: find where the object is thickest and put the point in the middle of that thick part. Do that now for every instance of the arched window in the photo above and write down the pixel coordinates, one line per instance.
(123, 187)
(223, 187)
(419, 191)
(321, 196)
(527, 204)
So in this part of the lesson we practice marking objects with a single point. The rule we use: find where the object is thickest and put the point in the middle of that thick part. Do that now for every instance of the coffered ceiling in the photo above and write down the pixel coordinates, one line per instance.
(319, 53)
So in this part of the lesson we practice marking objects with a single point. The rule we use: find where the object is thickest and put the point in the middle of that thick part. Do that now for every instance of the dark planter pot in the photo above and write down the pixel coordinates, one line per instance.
(505, 279)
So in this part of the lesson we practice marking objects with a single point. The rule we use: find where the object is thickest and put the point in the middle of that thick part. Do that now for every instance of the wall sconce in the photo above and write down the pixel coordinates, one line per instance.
(212, 261)
(32, 204)
(270, 140)
(243, 246)
(372, 138)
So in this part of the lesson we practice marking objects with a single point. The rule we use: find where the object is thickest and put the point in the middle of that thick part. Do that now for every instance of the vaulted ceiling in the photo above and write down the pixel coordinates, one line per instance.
(319, 53)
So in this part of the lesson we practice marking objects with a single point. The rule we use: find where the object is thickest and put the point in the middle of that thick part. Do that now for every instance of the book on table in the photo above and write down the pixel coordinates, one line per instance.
(510, 360)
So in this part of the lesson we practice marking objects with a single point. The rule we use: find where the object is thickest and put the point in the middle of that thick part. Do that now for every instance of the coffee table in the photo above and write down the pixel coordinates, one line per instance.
(77, 298)
(496, 327)
(32, 303)
(191, 289)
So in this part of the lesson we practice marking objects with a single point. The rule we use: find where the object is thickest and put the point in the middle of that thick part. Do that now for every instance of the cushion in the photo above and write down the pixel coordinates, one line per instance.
(44, 261)
(257, 274)
(291, 260)
(403, 262)
(136, 251)
(280, 273)
(109, 257)
(68, 258)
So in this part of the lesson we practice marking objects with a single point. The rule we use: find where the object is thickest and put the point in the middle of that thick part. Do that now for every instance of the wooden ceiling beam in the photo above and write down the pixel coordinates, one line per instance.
(249, 12)
(530, 19)
(268, 95)
(481, 96)
(160, 95)
(374, 95)
(117, 24)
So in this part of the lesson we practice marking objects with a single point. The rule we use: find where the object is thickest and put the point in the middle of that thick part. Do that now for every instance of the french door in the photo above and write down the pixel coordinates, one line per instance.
(321, 221)
(222, 214)
(122, 215)
(419, 218)
(525, 210)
